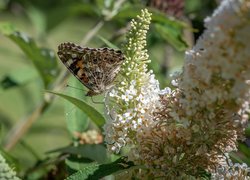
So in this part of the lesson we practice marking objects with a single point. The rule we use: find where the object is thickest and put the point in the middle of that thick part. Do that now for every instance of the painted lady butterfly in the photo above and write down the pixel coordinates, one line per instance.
(96, 68)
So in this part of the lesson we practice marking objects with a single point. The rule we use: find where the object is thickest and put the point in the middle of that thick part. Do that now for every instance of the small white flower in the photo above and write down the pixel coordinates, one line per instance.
(125, 98)
(174, 83)
(113, 93)
(128, 115)
(166, 91)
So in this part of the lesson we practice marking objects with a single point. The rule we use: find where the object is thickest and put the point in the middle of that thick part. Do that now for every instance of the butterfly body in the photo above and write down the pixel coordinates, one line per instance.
(96, 68)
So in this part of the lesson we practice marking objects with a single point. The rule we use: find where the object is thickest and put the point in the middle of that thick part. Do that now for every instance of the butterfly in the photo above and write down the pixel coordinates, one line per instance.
(95, 68)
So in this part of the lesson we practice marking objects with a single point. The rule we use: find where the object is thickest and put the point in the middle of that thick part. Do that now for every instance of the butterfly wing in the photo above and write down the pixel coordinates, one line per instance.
(105, 63)
(96, 68)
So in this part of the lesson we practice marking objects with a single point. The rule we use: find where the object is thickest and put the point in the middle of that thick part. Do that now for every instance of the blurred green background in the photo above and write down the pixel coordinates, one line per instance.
(49, 23)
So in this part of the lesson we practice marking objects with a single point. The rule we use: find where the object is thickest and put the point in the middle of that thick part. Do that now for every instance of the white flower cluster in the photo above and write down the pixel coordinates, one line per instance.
(219, 63)
(234, 171)
(237, 171)
(215, 84)
(131, 103)
(133, 109)
(6, 172)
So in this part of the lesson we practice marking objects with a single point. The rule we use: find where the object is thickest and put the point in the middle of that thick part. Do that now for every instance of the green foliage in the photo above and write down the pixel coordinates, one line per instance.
(94, 152)
(108, 43)
(169, 30)
(172, 35)
(76, 119)
(96, 171)
(18, 78)
(93, 114)
(43, 59)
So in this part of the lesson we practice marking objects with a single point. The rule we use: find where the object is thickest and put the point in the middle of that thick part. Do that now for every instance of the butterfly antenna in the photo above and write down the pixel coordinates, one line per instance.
(95, 102)
(75, 88)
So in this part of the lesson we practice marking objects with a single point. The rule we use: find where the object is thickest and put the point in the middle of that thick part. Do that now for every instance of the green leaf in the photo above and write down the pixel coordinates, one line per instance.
(43, 59)
(128, 11)
(171, 35)
(244, 149)
(95, 171)
(9, 158)
(247, 131)
(236, 158)
(169, 29)
(108, 43)
(18, 77)
(93, 114)
(95, 152)
(161, 18)
(76, 119)
(75, 163)
(83, 174)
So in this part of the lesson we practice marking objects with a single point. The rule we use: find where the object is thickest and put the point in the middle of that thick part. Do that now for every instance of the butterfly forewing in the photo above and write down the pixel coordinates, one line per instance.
(96, 68)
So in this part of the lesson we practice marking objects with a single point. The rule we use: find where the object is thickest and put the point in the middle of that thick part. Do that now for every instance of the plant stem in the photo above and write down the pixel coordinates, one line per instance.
(92, 32)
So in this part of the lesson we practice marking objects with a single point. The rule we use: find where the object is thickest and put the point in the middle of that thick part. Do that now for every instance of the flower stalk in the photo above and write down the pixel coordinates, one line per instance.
(131, 102)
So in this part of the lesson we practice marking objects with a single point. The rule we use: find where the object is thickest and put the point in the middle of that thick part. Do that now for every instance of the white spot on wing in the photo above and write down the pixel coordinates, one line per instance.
(73, 55)
(69, 62)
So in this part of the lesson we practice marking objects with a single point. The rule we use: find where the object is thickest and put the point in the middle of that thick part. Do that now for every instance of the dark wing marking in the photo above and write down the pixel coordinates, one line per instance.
(72, 57)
